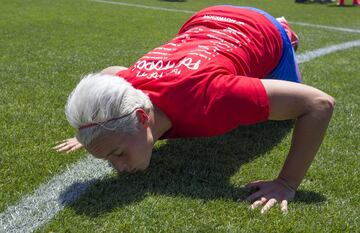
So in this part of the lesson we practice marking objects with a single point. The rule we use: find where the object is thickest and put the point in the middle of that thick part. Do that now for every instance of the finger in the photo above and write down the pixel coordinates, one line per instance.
(59, 146)
(284, 206)
(68, 140)
(72, 140)
(76, 147)
(254, 196)
(72, 144)
(268, 205)
(258, 203)
(64, 148)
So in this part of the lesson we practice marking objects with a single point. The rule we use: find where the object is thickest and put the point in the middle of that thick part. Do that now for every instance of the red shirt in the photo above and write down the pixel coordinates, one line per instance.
(207, 79)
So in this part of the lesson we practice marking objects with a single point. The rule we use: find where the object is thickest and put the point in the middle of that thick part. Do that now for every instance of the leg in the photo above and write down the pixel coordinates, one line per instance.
(294, 39)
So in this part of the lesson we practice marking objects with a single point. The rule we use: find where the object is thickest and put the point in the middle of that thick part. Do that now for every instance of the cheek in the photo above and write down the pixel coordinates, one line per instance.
(139, 150)
(140, 155)
(141, 144)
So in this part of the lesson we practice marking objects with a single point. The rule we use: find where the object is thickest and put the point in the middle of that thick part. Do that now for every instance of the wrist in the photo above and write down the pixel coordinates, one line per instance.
(286, 183)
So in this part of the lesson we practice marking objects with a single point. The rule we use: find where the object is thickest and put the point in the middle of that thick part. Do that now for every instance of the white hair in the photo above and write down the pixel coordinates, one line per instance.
(99, 98)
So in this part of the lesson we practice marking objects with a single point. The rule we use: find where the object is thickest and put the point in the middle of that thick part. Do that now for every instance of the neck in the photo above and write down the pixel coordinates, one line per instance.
(161, 123)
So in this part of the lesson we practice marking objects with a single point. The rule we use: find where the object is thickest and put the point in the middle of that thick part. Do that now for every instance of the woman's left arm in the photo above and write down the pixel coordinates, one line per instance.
(312, 110)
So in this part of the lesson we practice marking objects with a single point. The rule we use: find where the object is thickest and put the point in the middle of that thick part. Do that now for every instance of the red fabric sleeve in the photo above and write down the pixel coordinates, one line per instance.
(236, 100)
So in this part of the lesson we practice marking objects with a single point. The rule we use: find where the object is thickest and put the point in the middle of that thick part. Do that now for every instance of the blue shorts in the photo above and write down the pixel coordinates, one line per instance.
(287, 69)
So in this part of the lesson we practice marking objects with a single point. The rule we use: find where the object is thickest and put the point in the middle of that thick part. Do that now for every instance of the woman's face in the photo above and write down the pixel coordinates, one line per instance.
(125, 152)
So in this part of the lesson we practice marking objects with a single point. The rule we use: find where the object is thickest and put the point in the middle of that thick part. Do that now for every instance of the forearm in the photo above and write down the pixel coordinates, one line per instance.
(313, 109)
(308, 134)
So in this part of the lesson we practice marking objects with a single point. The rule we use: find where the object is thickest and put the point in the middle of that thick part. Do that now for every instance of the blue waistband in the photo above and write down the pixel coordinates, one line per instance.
(287, 68)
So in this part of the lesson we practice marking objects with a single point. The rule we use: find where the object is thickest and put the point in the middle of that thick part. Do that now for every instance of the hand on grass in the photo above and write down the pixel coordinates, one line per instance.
(68, 145)
(268, 193)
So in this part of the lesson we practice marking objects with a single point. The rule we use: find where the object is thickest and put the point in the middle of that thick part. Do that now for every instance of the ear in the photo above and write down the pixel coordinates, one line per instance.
(142, 117)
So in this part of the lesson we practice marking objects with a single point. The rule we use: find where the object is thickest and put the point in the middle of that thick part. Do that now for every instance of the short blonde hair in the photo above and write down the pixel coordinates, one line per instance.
(99, 98)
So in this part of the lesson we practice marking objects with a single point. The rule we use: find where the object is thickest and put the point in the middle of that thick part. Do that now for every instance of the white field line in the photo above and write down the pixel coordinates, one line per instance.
(326, 27)
(308, 56)
(192, 12)
(41, 206)
(144, 6)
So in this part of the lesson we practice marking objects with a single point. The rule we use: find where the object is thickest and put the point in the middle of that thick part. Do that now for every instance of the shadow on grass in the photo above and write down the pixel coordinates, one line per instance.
(195, 168)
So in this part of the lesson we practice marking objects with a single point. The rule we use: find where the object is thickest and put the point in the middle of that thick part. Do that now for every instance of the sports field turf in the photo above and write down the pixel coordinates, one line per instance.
(191, 185)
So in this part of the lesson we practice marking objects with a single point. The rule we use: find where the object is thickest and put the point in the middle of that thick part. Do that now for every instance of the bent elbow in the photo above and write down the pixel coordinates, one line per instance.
(324, 104)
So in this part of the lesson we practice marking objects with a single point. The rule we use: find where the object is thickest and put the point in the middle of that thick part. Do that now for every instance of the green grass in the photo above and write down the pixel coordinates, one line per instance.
(191, 185)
